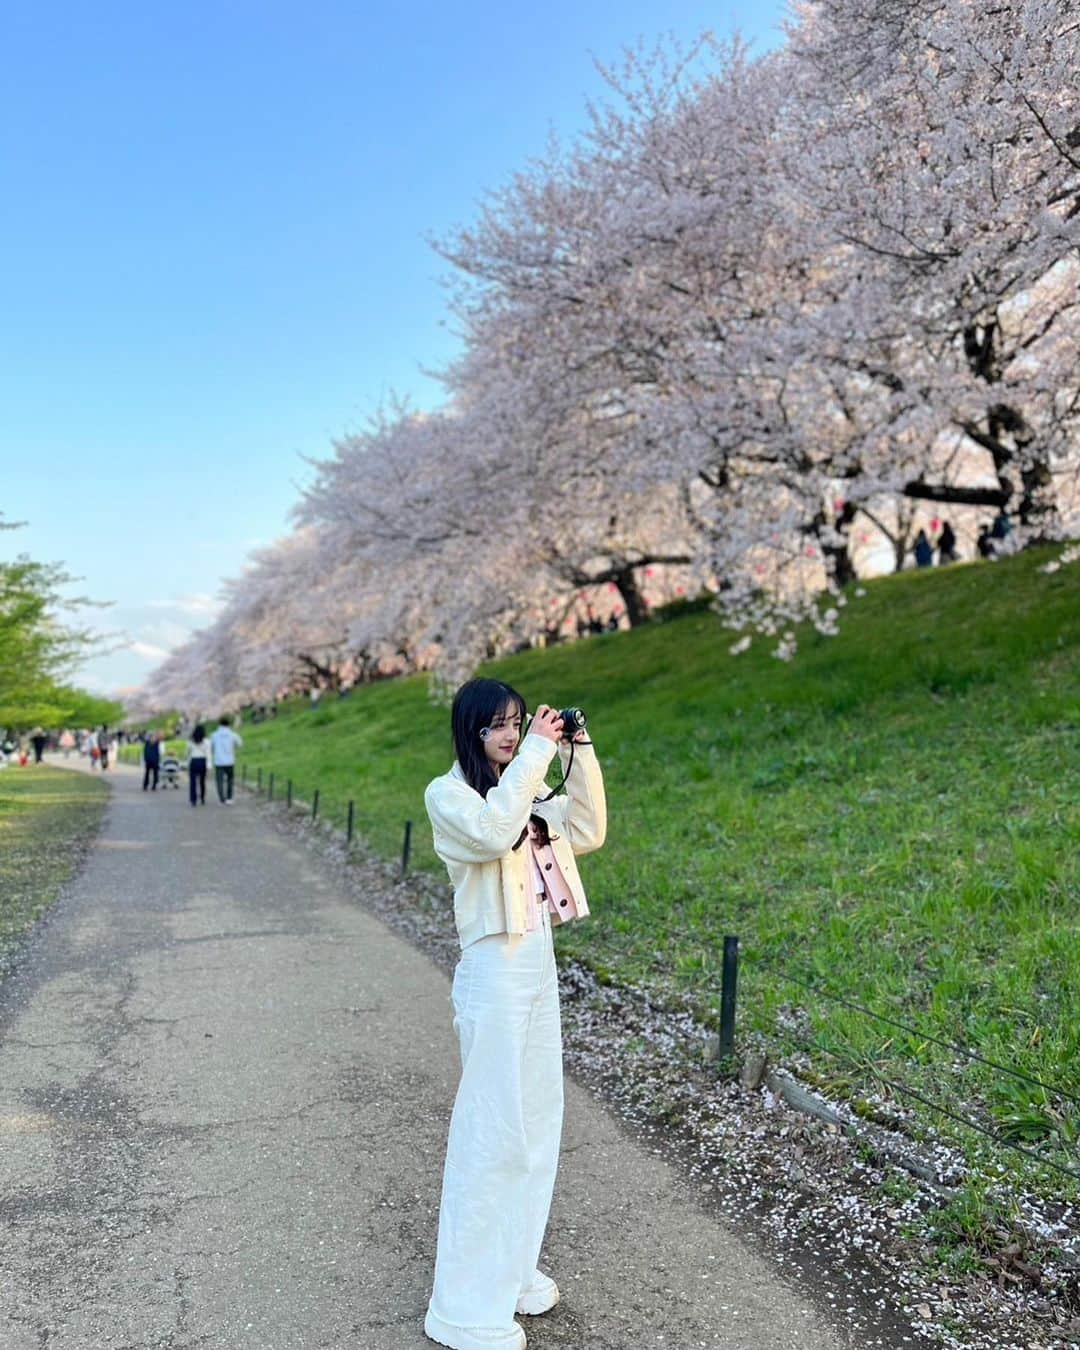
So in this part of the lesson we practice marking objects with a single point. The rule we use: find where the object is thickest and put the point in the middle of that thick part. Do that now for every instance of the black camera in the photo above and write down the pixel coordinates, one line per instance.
(573, 721)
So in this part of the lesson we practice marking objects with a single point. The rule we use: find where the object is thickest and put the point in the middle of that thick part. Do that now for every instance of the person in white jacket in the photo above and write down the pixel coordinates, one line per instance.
(224, 744)
(509, 847)
(198, 762)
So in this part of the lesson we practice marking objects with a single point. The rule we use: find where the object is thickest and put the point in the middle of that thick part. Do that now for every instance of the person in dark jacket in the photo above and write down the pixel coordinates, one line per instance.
(924, 550)
(1002, 526)
(947, 545)
(151, 754)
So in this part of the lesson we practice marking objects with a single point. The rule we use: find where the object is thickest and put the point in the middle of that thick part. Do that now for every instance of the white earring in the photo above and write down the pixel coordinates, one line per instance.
(485, 732)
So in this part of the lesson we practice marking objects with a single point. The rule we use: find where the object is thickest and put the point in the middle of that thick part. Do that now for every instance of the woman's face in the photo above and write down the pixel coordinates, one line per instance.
(505, 734)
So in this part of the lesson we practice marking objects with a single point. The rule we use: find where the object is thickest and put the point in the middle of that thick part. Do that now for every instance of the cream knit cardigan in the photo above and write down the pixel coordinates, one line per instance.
(475, 835)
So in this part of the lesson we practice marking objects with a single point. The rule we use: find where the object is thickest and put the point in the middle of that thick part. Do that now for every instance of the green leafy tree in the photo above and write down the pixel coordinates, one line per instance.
(38, 650)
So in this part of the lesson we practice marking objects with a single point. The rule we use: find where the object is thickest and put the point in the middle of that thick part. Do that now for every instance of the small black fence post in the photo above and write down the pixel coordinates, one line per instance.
(288, 792)
(243, 774)
(315, 805)
(406, 847)
(270, 791)
(258, 781)
(349, 823)
(728, 981)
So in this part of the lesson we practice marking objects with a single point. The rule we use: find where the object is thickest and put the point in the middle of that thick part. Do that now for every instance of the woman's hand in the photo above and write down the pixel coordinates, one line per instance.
(546, 722)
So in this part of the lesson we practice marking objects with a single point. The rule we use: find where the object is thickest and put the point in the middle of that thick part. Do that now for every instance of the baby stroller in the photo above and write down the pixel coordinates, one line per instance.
(170, 771)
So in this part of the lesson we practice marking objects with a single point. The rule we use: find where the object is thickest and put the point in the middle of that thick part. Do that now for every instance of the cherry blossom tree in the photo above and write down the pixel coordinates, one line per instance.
(935, 156)
(761, 307)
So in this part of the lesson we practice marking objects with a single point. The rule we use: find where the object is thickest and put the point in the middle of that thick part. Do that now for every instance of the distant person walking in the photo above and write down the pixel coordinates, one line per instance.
(924, 550)
(1000, 532)
(198, 758)
(947, 545)
(38, 740)
(151, 754)
(102, 741)
(224, 743)
(67, 742)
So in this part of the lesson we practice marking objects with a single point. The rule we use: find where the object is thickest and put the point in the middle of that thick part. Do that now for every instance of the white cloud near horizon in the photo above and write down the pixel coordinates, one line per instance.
(148, 649)
(140, 637)
(198, 603)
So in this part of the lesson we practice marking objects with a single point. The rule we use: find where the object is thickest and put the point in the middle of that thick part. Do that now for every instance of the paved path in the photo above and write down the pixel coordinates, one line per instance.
(224, 1093)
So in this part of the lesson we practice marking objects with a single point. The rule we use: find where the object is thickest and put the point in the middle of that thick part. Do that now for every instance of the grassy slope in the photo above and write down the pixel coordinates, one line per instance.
(892, 816)
(44, 814)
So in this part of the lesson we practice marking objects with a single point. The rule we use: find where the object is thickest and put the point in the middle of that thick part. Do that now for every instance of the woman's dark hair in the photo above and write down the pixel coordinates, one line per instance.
(476, 705)
(199, 734)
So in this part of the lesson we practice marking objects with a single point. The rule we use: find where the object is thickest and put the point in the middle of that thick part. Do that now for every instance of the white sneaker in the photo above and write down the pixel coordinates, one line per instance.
(540, 1297)
(473, 1338)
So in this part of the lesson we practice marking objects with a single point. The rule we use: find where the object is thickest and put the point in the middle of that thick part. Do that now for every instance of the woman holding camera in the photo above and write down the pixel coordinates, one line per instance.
(511, 859)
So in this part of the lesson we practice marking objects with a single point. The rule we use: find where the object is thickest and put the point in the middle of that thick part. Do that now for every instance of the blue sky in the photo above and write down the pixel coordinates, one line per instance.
(213, 255)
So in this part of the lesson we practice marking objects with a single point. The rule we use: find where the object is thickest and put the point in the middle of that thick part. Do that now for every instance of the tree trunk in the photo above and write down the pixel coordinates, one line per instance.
(636, 609)
(957, 496)
(317, 669)
(837, 556)
(1034, 510)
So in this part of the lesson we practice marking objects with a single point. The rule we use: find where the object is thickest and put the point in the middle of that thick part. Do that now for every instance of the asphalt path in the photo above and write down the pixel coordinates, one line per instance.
(224, 1096)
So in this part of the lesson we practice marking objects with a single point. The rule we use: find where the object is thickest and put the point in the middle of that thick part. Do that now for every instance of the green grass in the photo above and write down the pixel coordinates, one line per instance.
(891, 817)
(44, 814)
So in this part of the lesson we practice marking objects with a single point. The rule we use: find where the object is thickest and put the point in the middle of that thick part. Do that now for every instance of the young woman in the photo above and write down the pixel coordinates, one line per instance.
(511, 859)
(198, 758)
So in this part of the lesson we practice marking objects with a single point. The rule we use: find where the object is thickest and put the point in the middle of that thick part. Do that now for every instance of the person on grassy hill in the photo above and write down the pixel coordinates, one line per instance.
(1001, 531)
(510, 851)
(223, 744)
(151, 760)
(947, 545)
(923, 550)
(198, 760)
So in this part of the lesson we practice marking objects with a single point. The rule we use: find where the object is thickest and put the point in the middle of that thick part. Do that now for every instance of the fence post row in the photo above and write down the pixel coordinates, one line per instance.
(350, 822)
(729, 970)
(728, 980)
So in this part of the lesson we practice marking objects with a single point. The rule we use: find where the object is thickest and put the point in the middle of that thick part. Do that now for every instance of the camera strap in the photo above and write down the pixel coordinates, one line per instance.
(566, 774)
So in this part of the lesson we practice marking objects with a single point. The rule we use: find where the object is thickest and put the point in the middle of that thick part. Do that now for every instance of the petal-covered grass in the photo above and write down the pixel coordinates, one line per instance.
(891, 818)
(46, 816)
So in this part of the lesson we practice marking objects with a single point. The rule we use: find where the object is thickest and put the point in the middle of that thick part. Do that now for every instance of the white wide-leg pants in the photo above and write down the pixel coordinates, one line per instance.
(503, 1149)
